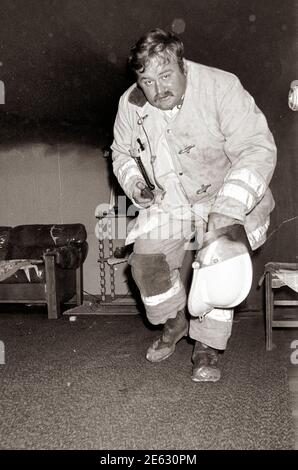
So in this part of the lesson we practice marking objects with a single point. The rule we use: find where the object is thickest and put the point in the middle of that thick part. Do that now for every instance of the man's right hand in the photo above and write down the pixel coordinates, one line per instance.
(142, 195)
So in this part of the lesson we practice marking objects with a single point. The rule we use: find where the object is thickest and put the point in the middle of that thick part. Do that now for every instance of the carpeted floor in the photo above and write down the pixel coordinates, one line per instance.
(87, 385)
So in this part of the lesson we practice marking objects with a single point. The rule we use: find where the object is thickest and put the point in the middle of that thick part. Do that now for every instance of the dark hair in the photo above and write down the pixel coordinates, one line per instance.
(156, 43)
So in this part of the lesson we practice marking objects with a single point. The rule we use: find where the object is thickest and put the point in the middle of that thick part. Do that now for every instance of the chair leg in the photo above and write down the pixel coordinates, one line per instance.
(269, 310)
(79, 285)
(52, 295)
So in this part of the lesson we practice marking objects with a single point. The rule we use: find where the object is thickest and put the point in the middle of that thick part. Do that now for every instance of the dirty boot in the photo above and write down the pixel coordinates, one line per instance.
(174, 329)
(205, 361)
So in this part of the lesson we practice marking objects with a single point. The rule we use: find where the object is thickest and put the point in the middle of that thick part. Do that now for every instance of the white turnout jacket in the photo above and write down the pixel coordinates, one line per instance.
(222, 152)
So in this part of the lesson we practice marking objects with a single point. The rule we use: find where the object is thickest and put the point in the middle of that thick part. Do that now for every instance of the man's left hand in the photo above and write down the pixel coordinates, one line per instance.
(217, 220)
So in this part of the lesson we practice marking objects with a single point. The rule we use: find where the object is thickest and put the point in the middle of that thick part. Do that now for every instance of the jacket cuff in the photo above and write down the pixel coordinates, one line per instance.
(230, 207)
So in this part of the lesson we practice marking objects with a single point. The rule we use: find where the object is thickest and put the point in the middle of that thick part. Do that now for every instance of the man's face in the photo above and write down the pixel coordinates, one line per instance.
(163, 83)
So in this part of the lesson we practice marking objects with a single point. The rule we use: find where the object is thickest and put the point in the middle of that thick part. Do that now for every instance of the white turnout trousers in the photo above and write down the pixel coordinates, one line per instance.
(156, 263)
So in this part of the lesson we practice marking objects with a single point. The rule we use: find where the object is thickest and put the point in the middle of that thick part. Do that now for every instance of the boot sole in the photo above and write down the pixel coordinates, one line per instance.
(171, 352)
(194, 379)
(210, 378)
(162, 358)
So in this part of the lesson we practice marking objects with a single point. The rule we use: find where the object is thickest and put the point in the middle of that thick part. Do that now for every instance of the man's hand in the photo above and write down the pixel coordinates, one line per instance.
(216, 221)
(142, 195)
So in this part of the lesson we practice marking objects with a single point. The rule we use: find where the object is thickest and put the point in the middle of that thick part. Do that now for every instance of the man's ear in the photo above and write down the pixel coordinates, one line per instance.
(184, 67)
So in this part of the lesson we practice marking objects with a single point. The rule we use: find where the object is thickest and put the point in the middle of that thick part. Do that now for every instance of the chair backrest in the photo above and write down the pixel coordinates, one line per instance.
(30, 241)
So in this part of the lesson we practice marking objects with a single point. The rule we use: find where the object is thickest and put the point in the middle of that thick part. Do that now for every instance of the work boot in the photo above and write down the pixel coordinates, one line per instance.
(205, 361)
(174, 329)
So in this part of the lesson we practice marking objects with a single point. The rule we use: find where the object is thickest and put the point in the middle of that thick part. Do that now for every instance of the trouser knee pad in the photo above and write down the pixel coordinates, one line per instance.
(151, 273)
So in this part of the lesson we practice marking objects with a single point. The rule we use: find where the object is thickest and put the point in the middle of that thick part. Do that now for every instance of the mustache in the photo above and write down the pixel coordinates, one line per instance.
(164, 95)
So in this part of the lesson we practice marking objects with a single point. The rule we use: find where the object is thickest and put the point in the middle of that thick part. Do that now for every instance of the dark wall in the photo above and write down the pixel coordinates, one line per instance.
(66, 59)
(63, 63)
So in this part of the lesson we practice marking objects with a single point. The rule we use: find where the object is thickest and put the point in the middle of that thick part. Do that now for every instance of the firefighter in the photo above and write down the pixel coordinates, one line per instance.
(194, 154)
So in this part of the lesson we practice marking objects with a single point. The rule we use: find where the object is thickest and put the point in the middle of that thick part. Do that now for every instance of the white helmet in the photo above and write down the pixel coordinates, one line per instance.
(222, 276)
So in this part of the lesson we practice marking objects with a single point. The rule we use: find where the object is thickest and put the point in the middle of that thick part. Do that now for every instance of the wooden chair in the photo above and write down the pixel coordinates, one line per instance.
(42, 264)
(273, 281)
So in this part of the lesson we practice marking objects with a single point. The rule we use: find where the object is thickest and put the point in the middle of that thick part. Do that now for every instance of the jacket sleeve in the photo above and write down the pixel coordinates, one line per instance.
(124, 166)
(250, 147)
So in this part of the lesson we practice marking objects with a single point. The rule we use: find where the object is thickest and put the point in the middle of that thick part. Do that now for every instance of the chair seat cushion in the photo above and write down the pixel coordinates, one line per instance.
(21, 271)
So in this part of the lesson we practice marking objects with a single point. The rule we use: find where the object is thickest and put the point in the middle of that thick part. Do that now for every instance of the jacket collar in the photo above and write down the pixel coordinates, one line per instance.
(137, 97)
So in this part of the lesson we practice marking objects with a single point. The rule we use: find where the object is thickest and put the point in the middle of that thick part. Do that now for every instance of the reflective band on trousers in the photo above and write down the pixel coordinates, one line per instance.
(158, 299)
(221, 314)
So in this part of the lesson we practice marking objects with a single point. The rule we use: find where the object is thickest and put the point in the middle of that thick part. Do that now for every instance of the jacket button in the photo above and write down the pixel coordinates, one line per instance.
(180, 173)
(169, 131)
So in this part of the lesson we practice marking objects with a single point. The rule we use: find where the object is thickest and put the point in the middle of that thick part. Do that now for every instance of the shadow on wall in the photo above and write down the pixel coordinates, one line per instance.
(64, 72)
(71, 97)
